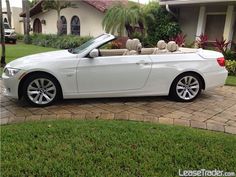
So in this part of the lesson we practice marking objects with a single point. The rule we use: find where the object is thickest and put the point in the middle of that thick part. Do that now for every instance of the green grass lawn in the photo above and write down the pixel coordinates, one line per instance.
(231, 80)
(21, 49)
(111, 148)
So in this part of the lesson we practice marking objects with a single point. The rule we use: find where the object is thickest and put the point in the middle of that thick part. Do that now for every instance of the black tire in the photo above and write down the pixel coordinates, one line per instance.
(176, 94)
(34, 77)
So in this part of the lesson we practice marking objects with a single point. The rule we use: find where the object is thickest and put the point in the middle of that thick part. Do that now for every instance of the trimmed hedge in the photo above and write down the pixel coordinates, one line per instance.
(60, 42)
(231, 67)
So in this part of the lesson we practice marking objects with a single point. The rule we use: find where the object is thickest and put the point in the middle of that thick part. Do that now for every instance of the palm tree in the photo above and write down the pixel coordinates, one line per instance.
(23, 9)
(57, 5)
(3, 58)
(122, 17)
(26, 6)
(8, 12)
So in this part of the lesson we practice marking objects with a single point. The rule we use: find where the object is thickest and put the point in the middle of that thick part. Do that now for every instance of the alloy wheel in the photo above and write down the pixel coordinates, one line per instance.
(41, 91)
(187, 87)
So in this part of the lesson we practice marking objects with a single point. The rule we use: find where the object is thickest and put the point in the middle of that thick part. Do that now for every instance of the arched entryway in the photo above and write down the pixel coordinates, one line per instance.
(37, 27)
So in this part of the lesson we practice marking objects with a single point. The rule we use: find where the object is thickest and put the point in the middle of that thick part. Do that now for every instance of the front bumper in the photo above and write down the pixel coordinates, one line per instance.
(10, 37)
(11, 84)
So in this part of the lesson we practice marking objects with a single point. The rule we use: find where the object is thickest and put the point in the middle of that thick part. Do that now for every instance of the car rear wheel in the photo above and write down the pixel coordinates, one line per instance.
(41, 90)
(186, 87)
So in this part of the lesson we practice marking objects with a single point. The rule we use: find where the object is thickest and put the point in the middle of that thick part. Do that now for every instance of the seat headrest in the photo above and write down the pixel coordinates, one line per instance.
(161, 45)
(172, 46)
(133, 44)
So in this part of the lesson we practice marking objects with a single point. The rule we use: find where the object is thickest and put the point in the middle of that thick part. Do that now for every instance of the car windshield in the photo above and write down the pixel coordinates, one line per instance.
(87, 44)
(6, 26)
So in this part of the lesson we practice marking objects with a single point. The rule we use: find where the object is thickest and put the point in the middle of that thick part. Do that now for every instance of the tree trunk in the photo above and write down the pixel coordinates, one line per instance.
(8, 12)
(27, 23)
(24, 19)
(59, 23)
(3, 57)
(129, 29)
(141, 26)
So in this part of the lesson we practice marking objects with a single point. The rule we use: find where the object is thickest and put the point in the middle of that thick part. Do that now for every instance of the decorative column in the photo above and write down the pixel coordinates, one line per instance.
(229, 23)
(201, 21)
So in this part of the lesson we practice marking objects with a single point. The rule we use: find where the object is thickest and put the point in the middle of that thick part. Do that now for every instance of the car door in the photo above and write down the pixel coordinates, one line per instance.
(113, 73)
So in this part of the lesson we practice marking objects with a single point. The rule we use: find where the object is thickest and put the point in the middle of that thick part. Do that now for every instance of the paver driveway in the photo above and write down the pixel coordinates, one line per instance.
(214, 110)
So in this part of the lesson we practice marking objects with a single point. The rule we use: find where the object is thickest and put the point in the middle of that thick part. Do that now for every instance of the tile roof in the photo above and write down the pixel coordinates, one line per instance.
(101, 5)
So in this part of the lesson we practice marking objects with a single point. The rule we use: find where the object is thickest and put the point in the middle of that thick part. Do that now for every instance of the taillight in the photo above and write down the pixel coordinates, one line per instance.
(221, 61)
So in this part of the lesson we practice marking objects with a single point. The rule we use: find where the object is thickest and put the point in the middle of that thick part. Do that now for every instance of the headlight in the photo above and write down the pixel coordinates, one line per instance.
(10, 72)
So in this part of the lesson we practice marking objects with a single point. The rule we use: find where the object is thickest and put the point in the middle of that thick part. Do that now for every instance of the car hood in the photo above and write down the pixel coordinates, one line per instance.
(45, 57)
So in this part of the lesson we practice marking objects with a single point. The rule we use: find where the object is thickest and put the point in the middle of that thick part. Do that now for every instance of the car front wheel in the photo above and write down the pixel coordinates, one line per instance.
(186, 87)
(40, 90)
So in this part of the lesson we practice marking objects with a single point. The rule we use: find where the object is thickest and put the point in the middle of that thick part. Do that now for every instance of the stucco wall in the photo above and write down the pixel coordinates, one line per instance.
(15, 19)
(234, 35)
(90, 20)
(216, 8)
(188, 18)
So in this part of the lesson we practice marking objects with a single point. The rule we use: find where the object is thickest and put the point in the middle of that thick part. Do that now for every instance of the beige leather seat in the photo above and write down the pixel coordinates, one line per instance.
(133, 47)
(161, 47)
(172, 46)
(147, 51)
(112, 52)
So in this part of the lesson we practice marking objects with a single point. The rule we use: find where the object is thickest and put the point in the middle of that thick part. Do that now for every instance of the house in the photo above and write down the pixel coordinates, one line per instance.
(85, 19)
(16, 22)
(215, 18)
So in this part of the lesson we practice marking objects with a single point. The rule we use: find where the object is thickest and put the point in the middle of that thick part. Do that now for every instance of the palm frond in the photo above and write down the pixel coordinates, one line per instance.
(118, 17)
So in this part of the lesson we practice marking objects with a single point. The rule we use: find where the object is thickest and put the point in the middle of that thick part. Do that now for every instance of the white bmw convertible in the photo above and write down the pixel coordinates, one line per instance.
(90, 71)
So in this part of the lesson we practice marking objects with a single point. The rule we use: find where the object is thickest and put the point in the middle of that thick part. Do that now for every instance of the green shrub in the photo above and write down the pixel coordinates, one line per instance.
(231, 67)
(230, 55)
(19, 37)
(27, 39)
(162, 26)
(138, 35)
(61, 42)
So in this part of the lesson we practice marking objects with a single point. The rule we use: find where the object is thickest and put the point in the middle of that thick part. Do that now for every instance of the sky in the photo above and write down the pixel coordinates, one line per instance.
(18, 3)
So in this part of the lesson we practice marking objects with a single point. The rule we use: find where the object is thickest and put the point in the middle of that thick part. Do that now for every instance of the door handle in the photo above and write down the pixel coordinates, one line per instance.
(142, 62)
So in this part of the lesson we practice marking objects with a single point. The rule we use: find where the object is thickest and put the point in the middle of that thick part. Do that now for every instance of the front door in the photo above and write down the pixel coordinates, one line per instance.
(37, 27)
(116, 73)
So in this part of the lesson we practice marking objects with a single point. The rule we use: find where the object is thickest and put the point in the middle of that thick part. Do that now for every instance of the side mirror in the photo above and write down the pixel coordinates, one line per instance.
(94, 53)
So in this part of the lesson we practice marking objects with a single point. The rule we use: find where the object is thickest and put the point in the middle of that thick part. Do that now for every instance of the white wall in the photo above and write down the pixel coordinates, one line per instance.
(188, 19)
(15, 19)
(51, 21)
(90, 20)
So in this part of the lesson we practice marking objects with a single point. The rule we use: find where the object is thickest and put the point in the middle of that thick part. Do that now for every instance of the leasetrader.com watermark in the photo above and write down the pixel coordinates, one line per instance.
(204, 172)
